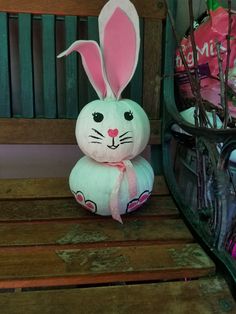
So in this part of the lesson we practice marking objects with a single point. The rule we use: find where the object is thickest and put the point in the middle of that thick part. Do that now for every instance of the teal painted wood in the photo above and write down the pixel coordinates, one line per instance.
(37, 66)
(5, 100)
(49, 66)
(136, 84)
(92, 35)
(26, 66)
(72, 84)
(156, 159)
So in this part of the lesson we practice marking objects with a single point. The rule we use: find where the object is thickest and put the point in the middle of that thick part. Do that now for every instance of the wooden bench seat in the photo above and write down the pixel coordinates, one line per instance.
(207, 295)
(64, 248)
(55, 256)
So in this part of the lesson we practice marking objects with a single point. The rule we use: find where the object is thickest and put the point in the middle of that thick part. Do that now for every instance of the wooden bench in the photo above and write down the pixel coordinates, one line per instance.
(54, 256)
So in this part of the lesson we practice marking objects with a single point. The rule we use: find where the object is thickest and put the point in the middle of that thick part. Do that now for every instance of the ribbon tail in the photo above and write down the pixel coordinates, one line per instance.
(114, 203)
(131, 177)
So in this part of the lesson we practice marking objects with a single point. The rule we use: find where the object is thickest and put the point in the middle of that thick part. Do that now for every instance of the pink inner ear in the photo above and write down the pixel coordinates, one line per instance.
(119, 50)
(92, 62)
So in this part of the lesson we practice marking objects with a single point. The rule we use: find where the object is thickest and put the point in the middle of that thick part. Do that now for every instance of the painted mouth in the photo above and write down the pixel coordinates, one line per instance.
(113, 146)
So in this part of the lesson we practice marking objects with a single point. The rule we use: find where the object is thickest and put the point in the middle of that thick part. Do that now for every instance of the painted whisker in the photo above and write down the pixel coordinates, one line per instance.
(94, 142)
(124, 134)
(95, 137)
(98, 132)
(126, 142)
(126, 138)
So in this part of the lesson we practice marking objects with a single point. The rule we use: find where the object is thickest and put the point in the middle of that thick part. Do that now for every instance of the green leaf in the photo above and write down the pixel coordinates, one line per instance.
(213, 5)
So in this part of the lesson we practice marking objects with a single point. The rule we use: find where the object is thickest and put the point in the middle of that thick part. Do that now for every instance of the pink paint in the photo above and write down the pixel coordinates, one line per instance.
(143, 198)
(79, 198)
(113, 132)
(93, 64)
(136, 203)
(215, 28)
(90, 205)
(119, 50)
(234, 251)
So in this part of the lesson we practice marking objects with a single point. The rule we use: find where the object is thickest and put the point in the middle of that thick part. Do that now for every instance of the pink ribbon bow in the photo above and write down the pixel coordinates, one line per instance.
(123, 166)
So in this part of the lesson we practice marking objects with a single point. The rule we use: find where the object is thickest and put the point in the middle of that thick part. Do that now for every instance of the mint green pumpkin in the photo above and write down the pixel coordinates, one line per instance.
(111, 179)
(188, 115)
(92, 184)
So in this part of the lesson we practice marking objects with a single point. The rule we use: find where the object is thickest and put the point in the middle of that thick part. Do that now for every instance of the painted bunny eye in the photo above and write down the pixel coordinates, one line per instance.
(98, 117)
(128, 115)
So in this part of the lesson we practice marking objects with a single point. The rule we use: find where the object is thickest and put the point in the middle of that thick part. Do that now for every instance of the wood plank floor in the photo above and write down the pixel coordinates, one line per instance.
(57, 258)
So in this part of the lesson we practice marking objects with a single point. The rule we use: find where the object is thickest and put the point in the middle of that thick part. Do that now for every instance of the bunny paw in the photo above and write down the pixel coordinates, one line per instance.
(137, 202)
(88, 204)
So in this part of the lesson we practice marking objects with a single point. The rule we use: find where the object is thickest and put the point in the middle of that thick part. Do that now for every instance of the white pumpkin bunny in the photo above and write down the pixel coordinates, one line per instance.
(112, 131)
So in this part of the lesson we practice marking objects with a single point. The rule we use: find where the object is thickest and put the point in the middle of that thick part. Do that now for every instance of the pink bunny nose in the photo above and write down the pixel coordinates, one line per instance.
(113, 132)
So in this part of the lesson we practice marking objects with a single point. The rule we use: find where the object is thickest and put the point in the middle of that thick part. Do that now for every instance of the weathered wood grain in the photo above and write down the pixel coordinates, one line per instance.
(155, 137)
(37, 131)
(51, 131)
(108, 232)
(208, 295)
(149, 8)
(68, 208)
(34, 188)
(102, 265)
(160, 187)
(52, 188)
(152, 67)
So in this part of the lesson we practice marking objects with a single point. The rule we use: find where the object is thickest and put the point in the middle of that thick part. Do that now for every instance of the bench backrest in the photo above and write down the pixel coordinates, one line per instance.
(34, 84)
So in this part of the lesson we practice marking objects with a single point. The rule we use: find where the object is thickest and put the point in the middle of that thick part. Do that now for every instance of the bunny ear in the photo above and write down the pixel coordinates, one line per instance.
(92, 62)
(120, 41)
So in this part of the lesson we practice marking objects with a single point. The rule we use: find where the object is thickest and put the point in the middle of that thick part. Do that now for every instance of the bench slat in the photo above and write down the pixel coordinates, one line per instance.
(149, 8)
(206, 295)
(136, 83)
(49, 66)
(72, 105)
(50, 131)
(5, 104)
(26, 66)
(57, 209)
(92, 35)
(152, 67)
(107, 232)
(37, 131)
(90, 266)
(52, 188)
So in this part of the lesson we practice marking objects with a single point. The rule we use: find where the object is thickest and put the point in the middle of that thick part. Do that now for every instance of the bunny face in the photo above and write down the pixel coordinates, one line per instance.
(111, 130)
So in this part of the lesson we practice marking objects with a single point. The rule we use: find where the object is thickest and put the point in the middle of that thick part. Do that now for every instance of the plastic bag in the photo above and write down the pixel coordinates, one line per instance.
(213, 28)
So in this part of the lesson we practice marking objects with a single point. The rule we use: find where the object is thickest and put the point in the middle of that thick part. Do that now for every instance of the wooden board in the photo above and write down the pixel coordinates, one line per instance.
(5, 108)
(52, 188)
(205, 296)
(34, 188)
(57, 209)
(50, 267)
(107, 232)
(151, 8)
(51, 131)
(26, 100)
(37, 131)
(152, 67)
